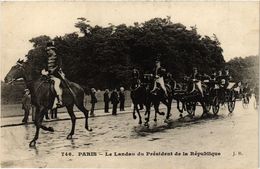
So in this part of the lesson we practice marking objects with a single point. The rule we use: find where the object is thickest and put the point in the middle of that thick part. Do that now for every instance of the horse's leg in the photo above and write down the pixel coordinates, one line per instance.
(169, 107)
(158, 104)
(205, 112)
(73, 120)
(135, 108)
(156, 110)
(148, 111)
(85, 111)
(38, 120)
(139, 115)
(180, 109)
(43, 126)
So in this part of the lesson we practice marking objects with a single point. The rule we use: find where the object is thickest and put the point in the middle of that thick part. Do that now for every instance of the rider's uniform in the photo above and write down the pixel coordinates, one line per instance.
(54, 69)
(196, 78)
(159, 73)
(136, 79)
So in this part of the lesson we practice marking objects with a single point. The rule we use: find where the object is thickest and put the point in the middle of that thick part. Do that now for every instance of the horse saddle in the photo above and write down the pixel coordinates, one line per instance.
(47, 79)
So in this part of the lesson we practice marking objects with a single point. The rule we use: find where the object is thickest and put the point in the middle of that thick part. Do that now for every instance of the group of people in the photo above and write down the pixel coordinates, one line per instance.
(161, 77)
(114, 98)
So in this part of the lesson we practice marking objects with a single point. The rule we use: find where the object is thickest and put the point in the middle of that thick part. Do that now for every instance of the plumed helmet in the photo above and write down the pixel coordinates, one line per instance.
(50, 45)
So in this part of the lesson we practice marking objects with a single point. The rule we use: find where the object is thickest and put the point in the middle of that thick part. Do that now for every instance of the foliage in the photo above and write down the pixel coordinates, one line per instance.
(245, 69)
(104, 56)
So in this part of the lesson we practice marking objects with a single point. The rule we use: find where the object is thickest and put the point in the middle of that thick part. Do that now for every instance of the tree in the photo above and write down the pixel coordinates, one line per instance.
(105, 56)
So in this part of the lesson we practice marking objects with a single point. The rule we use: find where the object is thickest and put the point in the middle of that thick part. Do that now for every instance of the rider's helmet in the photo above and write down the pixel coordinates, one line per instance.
(50, 45)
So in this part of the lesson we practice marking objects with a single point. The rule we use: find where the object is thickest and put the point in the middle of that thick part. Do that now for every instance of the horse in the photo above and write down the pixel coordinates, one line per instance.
(158, 97)
(139, 95)
(43, 95)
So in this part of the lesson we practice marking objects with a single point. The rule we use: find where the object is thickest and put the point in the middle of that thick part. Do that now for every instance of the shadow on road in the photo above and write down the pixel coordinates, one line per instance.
(142, 131)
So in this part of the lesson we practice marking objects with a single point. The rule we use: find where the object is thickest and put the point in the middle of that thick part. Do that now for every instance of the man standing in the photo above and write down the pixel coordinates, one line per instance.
(26, 105)
(93, 101)
(114, 100)
(106, 100)
(122, 99)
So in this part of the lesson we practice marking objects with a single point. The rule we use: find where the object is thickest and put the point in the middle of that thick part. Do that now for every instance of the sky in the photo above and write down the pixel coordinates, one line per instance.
(236, 24)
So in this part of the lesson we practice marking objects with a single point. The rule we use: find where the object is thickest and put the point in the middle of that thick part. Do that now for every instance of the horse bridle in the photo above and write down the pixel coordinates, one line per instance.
(20, 67)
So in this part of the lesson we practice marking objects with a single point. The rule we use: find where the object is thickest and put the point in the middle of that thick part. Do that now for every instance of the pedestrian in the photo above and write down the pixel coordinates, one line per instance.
(122, 99)
(106, 100)
(114, 100)
(93, 101)
(26, 105)
(54, 113)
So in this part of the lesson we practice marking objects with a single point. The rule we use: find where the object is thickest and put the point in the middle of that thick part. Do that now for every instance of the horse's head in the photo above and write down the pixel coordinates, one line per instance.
(16, 72)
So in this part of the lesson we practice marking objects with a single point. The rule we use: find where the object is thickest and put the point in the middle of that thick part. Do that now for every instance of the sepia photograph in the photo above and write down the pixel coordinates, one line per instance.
(129, 84)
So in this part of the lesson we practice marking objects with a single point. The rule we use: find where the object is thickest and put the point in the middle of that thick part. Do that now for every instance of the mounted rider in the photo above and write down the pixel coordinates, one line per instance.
(136, 79)
(159, 73)
(54, 71)
(196, 78)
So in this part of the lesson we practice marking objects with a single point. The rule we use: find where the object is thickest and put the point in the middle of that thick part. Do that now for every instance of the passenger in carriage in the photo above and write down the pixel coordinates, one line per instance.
(159, 73)
(223, 80)
(246, 92)
(227, 77)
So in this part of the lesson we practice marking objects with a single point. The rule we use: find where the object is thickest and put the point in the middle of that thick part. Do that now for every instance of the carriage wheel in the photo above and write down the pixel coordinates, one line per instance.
(191, 107)
(232, 102)
(215, 105)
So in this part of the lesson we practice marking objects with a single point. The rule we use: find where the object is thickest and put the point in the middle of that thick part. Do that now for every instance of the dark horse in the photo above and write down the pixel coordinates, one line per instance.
(141, 95)
(43, 96)
(158, 97)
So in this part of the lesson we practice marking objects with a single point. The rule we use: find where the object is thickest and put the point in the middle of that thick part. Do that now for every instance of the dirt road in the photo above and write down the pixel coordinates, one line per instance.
(226, 141)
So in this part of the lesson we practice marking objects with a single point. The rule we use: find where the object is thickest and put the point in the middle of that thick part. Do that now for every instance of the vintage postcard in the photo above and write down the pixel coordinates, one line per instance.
(135, 85)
